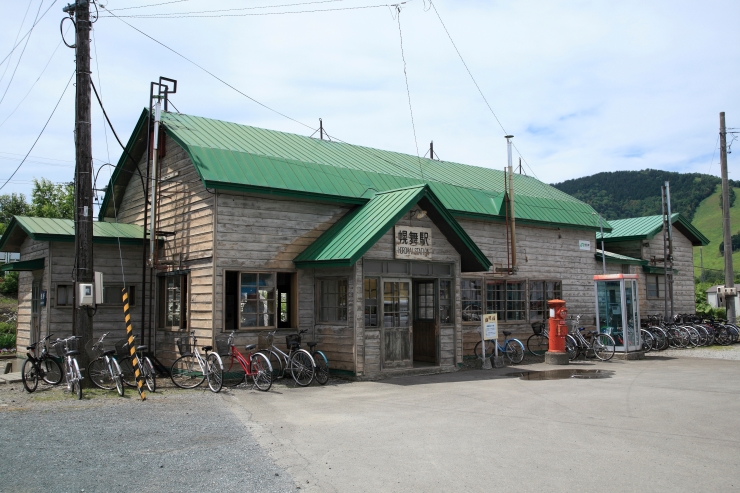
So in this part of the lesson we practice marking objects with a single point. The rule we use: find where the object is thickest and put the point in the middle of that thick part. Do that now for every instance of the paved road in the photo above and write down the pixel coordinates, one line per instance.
(661, 424)
(175, 441)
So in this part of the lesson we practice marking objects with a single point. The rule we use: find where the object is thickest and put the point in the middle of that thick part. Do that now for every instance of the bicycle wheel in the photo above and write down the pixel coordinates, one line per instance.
(301, 367)
(127, 371)
(117, 376)
(603, 346)
(276, 363)
(234, 373)
(514, 351)
(214, 372)
(29, 376)
(489, 349)
(647, 340)
(321, 372)
(100, 375)
(149, 376)
(50, 371)
(186, 372)
(260, 371)
(77, 388)
(571, 347)
(537, 344)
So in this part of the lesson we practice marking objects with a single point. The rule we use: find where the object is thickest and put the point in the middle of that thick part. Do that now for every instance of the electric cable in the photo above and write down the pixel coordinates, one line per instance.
(143, 16)
(149, 5)
(16, 37)
(10, 82)
(29, 32)
(716, 145)
(40, 133)
(199, 16)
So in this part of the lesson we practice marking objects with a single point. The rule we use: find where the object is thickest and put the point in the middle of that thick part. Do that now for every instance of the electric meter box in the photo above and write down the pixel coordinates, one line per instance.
(85, 294)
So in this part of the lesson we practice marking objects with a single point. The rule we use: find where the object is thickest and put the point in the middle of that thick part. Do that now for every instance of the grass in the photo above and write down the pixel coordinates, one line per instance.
(708, 220)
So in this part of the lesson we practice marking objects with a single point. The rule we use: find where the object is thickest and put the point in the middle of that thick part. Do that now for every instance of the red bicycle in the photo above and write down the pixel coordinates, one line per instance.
(237, 367)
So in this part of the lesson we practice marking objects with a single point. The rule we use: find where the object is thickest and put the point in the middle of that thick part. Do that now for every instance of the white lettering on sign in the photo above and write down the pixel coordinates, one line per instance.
(413, 243)
(584, 245)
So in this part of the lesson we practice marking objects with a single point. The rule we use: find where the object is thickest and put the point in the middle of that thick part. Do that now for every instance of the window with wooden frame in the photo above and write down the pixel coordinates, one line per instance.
(540, 292)
(113, 295)
(446, 314)
(332, 301)
(655, 286)
(370, 289)
(259, 299)
(470, 292)
(173, 299)
(65, 295)
(506, 299)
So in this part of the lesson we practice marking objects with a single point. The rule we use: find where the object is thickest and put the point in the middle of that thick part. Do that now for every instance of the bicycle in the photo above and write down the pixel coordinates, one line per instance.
(103, 369)
(44, 366)
(238, 368)
(298, 362)
(66, 350)
(191, 369)
(512, 348)
(539, 342)
(601, 346)
(321, 368)
(145, 365)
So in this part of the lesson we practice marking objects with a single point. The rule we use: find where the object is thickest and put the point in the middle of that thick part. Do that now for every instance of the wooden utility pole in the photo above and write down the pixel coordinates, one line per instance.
(729, 276)
(83, 326)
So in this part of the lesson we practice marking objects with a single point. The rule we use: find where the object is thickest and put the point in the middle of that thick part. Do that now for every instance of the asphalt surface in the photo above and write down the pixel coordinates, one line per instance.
(175, 441)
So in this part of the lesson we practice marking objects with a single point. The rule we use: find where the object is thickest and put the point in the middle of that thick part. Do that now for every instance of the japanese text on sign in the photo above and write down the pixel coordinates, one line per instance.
(489, 326)
(413, 243)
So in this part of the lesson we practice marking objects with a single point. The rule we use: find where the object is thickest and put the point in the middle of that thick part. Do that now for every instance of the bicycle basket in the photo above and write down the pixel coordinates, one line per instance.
(223, 348)
(292, 340)
(183, 345)
(122, 350)
(94, 349)
(537, 327)
(58, 348)
(264, 340)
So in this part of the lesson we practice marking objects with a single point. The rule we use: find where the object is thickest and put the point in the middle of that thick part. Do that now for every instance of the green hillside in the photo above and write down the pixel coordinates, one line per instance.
(708, 220)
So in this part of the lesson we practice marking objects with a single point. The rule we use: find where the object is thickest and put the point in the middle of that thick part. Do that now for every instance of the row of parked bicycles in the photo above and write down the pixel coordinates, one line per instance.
(111, 366)
(579, 342)
(686, 331)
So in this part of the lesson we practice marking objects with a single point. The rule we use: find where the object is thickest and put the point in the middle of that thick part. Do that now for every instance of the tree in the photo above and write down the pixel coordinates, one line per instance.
(51, 200)
(13, 204)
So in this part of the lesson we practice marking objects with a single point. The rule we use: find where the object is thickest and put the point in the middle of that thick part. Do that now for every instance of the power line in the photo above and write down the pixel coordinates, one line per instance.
(231, 10)
(176, 16)
(476, 84)
(713, 152)
(16, 37)
(41, 133)
(21, 55)
(408, 92)
(29, 32)
(149, 5)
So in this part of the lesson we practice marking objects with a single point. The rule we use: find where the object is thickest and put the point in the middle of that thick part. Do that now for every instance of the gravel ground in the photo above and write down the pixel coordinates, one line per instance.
(713, 352)
(175, 441)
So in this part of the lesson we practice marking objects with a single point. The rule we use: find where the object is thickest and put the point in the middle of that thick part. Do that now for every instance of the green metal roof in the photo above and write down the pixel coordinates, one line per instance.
(34, 264)
(45, 229)
(231, 156)
(615, 258)
(645, 228)
(353, 235)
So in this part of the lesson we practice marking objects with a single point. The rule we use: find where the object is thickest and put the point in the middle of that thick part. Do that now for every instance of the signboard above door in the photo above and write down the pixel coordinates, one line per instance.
(413, 243)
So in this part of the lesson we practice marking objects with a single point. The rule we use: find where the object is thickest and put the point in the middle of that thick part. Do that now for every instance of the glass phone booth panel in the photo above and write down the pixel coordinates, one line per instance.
(618, 309)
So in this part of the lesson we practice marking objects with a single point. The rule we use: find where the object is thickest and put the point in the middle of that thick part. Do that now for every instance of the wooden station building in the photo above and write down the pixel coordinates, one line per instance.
(387, 259)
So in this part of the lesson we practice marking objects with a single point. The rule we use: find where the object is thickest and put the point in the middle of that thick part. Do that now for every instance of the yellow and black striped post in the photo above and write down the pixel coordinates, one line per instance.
(132, 346)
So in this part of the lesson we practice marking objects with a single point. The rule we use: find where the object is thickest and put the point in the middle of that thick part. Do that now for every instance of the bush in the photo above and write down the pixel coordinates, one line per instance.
(9, 284)
(7, 341)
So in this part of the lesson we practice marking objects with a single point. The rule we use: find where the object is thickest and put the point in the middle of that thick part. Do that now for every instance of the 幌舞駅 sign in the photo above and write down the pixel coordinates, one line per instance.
(413, 243)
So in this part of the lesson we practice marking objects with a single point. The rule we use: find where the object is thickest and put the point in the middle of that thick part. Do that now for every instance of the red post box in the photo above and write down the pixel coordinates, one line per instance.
(558, 328)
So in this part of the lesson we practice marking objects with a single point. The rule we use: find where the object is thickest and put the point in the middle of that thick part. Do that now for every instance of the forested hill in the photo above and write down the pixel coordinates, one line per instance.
(623, 194)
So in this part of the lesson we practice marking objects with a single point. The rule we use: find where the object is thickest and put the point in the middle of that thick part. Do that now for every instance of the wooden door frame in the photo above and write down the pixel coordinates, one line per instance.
(381, 318)
(435, 282)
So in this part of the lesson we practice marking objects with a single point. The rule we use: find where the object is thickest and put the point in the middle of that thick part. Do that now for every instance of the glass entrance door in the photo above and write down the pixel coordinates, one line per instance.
(396, 324)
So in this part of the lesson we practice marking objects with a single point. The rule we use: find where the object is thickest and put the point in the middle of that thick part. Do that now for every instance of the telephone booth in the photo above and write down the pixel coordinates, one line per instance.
(618, 310)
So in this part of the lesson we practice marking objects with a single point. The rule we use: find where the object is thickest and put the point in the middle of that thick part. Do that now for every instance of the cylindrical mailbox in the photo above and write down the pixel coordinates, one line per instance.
(558, 328)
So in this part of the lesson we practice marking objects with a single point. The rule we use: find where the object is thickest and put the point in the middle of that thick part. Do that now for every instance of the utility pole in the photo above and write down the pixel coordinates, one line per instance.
(431, 150)
(729, 276)
(665, 253)
(83, 324)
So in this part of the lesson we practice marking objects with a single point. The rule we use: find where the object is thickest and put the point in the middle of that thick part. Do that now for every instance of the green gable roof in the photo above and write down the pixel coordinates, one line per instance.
(353, 235)
(45, 229)
(35, 264)
(230, 156)
(645, 228)
(615, 258)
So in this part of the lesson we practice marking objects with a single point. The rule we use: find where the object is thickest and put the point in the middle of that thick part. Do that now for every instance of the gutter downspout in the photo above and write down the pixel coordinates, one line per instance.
(152, 225)
(511, 201)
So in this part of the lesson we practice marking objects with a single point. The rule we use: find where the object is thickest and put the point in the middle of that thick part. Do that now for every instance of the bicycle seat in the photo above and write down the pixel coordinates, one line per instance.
(207, 348)
(249, 347)
(109, 352)
(142, 348)
(506, 333)
(581, 328)
(32, 346)
(71, 353)
(311, 345)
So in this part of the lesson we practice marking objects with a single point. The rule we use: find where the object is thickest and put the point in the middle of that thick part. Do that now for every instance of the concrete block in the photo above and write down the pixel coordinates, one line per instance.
(556, 358)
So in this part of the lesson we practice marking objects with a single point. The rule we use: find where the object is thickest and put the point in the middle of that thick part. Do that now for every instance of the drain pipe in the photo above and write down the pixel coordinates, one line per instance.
(152, 226)
(511, 201)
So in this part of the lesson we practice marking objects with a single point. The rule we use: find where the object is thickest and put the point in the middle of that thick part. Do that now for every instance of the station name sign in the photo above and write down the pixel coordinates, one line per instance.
(413, 243)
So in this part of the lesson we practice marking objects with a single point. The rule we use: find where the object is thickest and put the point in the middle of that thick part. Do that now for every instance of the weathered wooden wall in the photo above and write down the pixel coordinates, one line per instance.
(30, 250)
(683, 282)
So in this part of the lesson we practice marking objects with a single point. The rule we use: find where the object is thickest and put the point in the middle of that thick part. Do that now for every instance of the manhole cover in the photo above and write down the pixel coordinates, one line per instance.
(562, 374)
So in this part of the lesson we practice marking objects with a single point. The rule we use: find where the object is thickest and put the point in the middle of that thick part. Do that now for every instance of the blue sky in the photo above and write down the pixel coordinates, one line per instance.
(584, 86)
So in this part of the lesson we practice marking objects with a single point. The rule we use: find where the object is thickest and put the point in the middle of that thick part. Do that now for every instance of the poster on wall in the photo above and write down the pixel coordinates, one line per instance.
(490, 326)
(413, 243)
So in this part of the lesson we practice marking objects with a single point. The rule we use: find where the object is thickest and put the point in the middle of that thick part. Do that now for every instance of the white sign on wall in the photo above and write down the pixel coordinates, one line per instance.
(490, 326)
(584, 245)
(413, 243)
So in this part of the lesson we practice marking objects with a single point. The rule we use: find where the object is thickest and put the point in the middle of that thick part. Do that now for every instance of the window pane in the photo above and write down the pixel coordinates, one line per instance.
(514, 301)
(249, 279)
(445, 300)
(495, 300)
(371, 302)
(471, 300)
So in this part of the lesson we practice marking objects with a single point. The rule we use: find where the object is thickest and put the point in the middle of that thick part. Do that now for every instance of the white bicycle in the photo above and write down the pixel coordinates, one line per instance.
(191, 369)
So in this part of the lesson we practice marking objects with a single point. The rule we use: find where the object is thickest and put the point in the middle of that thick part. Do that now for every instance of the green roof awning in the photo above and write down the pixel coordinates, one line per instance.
(35, 264)
(645, 228)
(352, 236)
(46, 229)
(650, 269)
(231, 156)
(615, 258)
